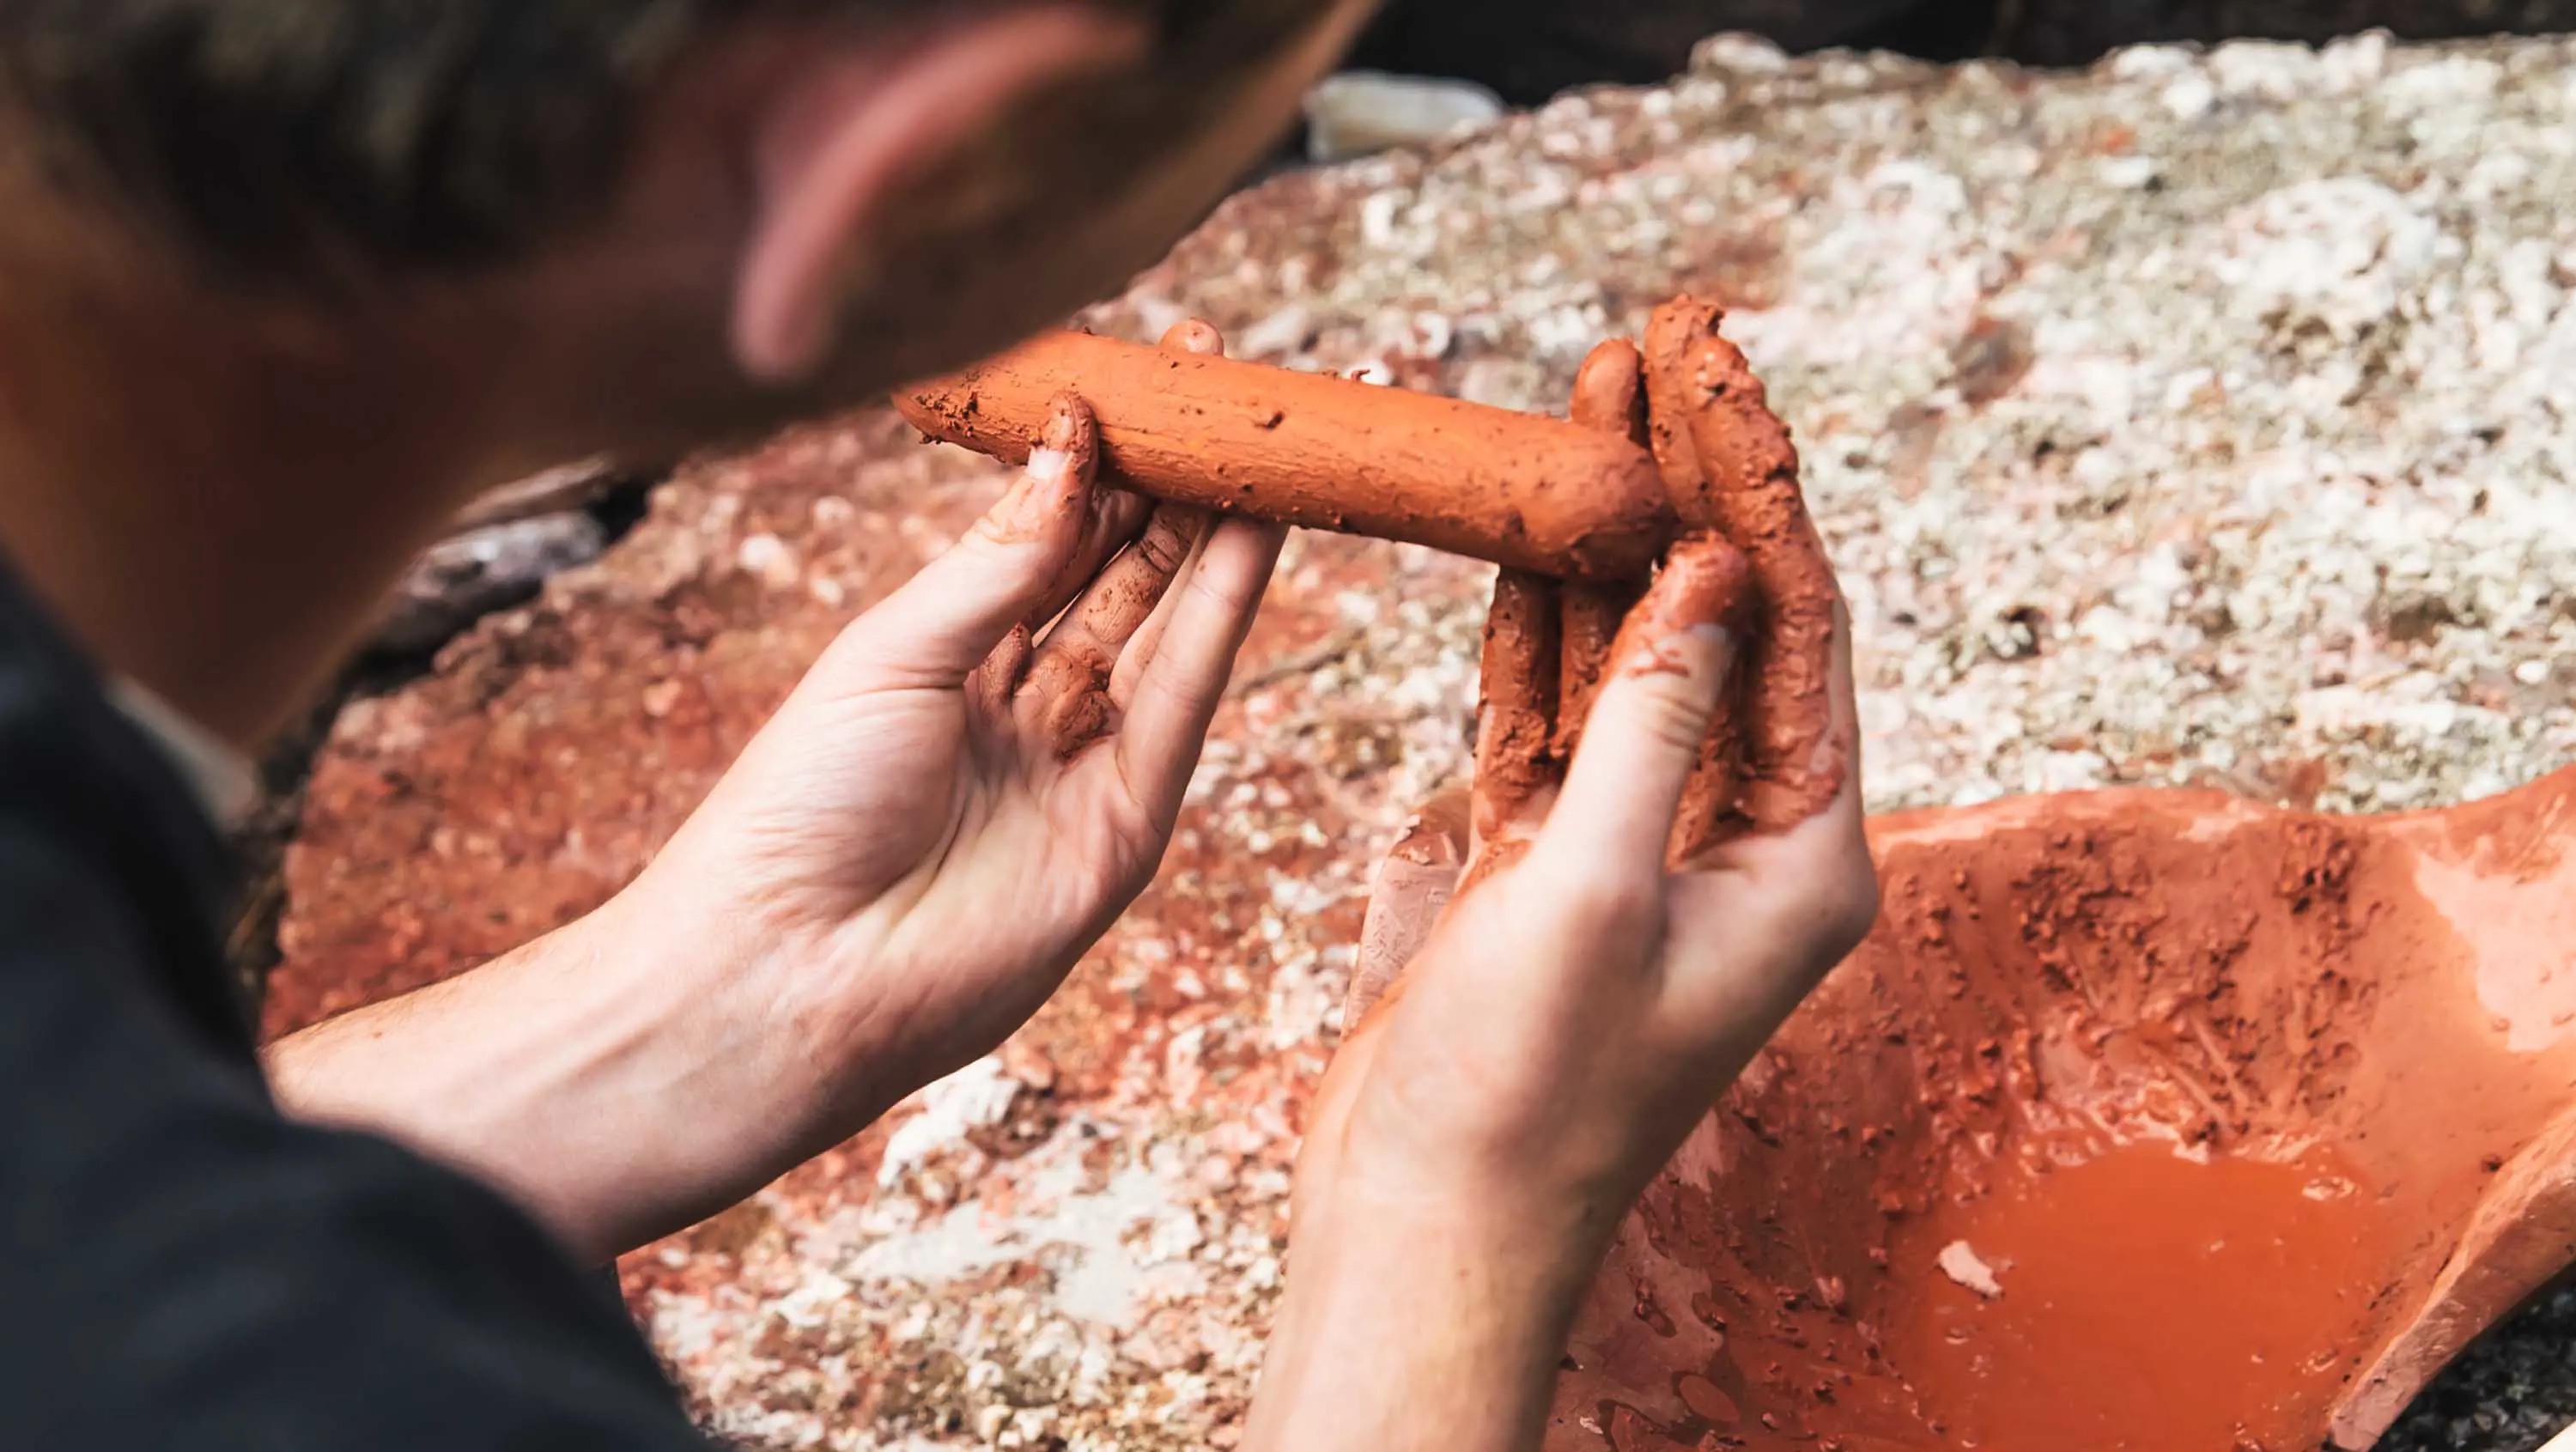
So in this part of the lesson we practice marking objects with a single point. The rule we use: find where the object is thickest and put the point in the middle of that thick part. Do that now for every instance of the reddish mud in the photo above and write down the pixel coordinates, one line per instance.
(1073, 670)
(2101, 1271)
(1516, 718)
(1792, 766)
(1610, 397)
(1771, 759)
(2220, 1097)
(1704, 582)
(1530, 493)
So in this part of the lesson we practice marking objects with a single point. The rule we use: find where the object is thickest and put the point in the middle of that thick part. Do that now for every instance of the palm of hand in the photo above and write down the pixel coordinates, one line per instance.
(965, 875)
(974, 781)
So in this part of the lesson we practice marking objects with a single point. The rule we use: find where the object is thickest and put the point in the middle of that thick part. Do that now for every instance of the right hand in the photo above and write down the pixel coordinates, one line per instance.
(1539, 1047)
(1568, 1018)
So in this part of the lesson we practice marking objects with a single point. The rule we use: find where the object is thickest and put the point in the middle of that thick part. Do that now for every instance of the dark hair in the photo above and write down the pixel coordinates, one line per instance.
(270, 136)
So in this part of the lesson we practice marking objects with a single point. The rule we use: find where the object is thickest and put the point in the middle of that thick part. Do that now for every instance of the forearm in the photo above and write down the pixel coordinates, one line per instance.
(1408, 1330)
(617, 1097)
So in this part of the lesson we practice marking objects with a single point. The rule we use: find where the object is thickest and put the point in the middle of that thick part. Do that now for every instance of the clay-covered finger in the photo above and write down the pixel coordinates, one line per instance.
(1116, 517)
(1610, 391)
(1609, 397)
(943, 626)
(1414, 885)
(1516, 718)
(1589, 621)
(1068, 680)
(1670, 666)
(1795, 763)
(1674, 334)
(997, 680)
(1178, 691)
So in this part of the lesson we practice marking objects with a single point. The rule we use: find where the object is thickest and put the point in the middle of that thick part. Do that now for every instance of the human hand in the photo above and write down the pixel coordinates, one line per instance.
(978, 776)
(961, 797)
(1563, 1022)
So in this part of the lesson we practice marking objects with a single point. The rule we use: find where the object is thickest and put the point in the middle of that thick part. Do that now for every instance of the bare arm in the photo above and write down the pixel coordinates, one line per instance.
(968, 788)
(1617, 954)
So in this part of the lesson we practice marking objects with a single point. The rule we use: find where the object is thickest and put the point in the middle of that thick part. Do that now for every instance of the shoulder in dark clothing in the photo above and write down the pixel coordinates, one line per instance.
(187, 1268)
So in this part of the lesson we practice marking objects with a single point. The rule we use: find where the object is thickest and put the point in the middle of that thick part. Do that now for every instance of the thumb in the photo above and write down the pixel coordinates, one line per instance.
(1412, 889)
(935, 631)
(1669, 670)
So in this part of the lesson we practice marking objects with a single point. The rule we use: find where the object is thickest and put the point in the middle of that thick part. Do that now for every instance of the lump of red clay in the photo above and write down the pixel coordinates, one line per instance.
(1324, 452)
(2145, 1120)
(1732, 470)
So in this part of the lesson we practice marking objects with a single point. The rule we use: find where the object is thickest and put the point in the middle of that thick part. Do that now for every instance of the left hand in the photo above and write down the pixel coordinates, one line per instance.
(974, 781)
(952, 807)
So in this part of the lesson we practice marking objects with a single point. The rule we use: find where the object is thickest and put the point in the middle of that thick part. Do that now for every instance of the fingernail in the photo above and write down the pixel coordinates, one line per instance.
(1050, 465)
(1063, 430)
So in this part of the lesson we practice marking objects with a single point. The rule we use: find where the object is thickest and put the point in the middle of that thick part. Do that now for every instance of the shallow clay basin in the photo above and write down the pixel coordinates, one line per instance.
(2156, 1121)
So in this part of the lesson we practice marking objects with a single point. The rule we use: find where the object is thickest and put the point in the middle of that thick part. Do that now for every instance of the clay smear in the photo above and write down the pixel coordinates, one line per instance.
(1609, 398)
(2213, 1097)
(1072, 671)
(1534, 494)
(1732, 467)
(1516, 717)
(1771, 759)
(1547, 644)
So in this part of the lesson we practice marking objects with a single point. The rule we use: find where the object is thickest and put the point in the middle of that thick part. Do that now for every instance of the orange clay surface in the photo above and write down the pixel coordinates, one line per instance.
(2152, 1121)
(1324, 452)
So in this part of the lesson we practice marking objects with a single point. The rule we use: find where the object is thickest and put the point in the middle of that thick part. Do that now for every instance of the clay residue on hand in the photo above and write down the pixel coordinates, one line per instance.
(1080, 655)
(1515, 753)
(1609, 397)
(1747, 488)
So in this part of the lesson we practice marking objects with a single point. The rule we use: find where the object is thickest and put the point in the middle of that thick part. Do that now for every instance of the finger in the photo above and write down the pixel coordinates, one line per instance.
(1149, 636)
(945, 622)
(1197, 335)
(1412, 888)
(1673, 334)
(1791, 906)
(1117, 516)
(1610, 391)
(1068, 680)
(1795, 764)
(1668, 668)
(998, 678)
(1590, 620)
(1516, 716)
(1194, 335)
(1178, 691)
(1610, 398)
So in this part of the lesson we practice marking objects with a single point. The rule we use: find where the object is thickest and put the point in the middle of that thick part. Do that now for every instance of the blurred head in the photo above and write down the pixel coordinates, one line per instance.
(627, 224)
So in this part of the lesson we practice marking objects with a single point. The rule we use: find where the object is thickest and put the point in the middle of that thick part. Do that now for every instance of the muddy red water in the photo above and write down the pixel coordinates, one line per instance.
(2146, 1122)
(2099, 1265)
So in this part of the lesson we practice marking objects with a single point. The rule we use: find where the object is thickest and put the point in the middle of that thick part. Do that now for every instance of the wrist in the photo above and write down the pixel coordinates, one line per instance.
(1423, 1324)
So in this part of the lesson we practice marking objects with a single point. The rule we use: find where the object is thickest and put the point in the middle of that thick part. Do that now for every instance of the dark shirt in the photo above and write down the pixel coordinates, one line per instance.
(183, 1267)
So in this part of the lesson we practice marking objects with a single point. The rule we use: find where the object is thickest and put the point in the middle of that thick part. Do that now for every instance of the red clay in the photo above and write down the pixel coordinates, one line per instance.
(1731, 466)
(1516, 718)
(1072, 672)
(1609, 397)
(1531, 493)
